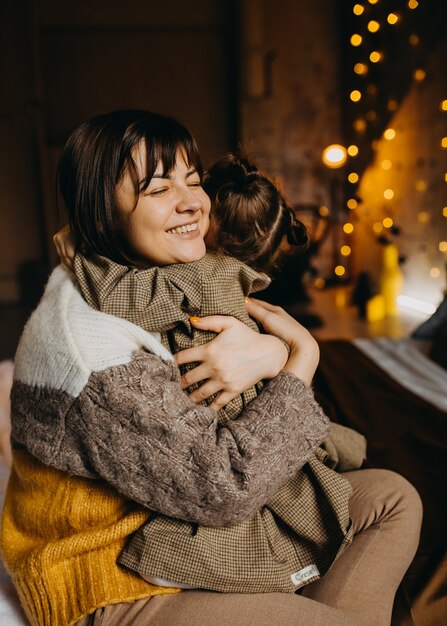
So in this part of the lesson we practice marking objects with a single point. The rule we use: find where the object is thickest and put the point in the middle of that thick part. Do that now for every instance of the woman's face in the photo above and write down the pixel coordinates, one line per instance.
(171, 218)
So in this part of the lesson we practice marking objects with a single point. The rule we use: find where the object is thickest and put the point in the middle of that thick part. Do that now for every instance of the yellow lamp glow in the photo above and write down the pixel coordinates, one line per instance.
(392, 19)
(443, 142)
(355, 95)
(346, 250)
(373, 26)
(442, 246)
(386, 164)
(419, 75)
(375, 56)
(387, 222)
(339, 270)
(352, 204)
(389, 134)
(356, 40)
(353, 177)
(353, 150)
(323, 211)
(377, 227)
(413, 4)
(358, 9)
(373, 1)
(435, 272)
(361, 68)
(444, 105)
(444, 211)
(348, 228)
(334, 156)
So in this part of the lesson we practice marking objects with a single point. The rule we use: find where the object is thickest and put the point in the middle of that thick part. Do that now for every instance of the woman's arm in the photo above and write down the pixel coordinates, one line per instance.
(138, 431)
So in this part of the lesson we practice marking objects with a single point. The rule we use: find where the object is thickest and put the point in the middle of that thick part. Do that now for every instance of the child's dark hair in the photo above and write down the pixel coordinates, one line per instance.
(250, 215)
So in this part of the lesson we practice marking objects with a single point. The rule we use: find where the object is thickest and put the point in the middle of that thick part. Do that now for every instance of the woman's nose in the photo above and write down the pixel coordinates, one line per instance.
(188, 201)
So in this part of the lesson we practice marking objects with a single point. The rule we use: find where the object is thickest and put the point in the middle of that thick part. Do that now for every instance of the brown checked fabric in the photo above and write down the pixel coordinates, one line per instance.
(161, 299)
(292, 540)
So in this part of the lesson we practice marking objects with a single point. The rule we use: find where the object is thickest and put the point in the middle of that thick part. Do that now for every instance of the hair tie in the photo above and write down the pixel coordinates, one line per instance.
(297, 234)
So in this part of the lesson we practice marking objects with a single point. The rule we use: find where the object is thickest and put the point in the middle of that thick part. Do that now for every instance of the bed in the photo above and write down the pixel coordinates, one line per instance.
(395, 393)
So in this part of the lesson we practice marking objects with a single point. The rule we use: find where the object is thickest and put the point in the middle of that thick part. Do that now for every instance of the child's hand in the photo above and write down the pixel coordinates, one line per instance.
(65, 247)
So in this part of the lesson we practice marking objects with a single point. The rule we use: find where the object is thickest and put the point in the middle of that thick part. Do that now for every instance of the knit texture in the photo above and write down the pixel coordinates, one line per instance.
(163, 298)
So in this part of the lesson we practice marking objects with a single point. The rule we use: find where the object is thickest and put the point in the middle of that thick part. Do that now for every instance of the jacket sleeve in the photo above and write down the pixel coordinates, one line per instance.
(138, 430)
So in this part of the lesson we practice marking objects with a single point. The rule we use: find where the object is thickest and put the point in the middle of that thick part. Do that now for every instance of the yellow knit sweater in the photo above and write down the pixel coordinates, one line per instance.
(61, 536)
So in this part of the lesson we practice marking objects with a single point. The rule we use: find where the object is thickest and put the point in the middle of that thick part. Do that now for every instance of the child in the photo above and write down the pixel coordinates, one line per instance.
(250, 221)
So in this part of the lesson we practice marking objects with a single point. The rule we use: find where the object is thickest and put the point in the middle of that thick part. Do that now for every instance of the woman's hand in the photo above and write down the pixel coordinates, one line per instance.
(65, 247)
(304, 350)
(237, 358)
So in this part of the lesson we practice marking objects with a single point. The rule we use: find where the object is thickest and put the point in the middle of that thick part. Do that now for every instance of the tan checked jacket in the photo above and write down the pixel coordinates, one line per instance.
(291, 541)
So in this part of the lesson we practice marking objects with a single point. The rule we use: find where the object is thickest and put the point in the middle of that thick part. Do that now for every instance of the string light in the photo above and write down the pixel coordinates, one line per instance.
(346, 250)
(444, 211)
(361, 68)
(352, 204)
(323, 211)
(375, 56)
(392, 19)
(435, 272)
(334, 156)
(419, 75)
(423, 217)
(356, 40)
(353, 150)
(340, 270)
(373, 26)
(392, 105)
(413, 4)
(389, 134)
(319, 283)
(387, 222)
(377, 227)
(444, 142)
(442, 246)
(353, 177)
(420, 185)
(360, 125)
(348, 228)
(358, 9)
(386, 164)
(444, 105)
(373, 1)
(355, 95)
(388, 194)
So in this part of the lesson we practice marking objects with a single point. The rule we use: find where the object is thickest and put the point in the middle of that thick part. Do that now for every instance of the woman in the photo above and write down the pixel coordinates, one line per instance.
(85, 379)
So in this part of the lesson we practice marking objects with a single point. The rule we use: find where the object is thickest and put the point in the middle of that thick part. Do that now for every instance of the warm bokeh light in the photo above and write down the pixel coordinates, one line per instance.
(444, 105)
(423, 217)
(346, 250)
(386, 164)
(373, 1)
(435, 272)
(442, 246)
(373, 26)
(392, 105)
(352, 204)
(392, 19)
(389, 134)
(334, 156)
(348, 228)
(375, 56)
(353, 177)
(356, 40)
(353, 150)
(388, 194)
(358, 9)
(323, 211)
(360, 125)
(387, 222)
(444, 211)
(340, 270)
(444, 142)
(361, 68)
(319, 283)
(371, 116)
(414, 40)
(355, 95)
(419, 75)
(377, 227)
(413, 4)
(420, 185)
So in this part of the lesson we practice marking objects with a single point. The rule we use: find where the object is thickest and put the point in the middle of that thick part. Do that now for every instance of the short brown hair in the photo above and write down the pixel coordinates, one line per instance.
(95, 158)
(251, 216)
